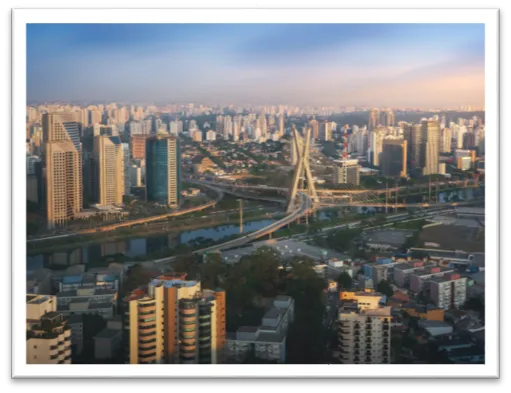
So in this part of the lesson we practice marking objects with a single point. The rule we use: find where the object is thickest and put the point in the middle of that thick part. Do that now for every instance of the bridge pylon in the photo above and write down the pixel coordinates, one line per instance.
(302, 170)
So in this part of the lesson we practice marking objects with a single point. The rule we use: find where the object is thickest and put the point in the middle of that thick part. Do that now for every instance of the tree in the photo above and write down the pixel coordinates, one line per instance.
(345, 281)
(384, 288)
(137, 276)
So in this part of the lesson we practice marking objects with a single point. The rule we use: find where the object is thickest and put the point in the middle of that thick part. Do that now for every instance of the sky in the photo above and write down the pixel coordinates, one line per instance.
(395, 65)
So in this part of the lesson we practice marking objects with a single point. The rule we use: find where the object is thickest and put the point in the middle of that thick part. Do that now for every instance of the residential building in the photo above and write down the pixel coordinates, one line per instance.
(211, 135)
(446, 140)
(347, 172)
(48, 334)
(75, 322)
(427, 312)
(464, 163)
(315, 128)
(137, 146)
(325, 131)
(87, 301)
(403, 271)
(415, 157)
(163, 174)
(109, 165)
(420, 278)
(108, 342)
(449, 291)
(266, 341)
(393, 158)
(363, 329)
(374, 119)
(136, 176)
(173, 321)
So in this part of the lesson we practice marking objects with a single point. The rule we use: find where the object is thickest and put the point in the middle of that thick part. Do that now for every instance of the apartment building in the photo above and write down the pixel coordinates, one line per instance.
(363, 329)
(87, 301)
(266, 341)
(48, 334)
(419, 279)
(173, 321)
(449, 291)
(403, 271)
(109, 165)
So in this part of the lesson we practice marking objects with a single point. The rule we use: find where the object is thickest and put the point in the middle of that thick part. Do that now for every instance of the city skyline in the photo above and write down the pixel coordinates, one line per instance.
(332, 64)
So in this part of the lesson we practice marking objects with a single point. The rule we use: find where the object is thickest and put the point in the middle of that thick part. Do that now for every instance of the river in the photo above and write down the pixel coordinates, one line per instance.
(91, 253)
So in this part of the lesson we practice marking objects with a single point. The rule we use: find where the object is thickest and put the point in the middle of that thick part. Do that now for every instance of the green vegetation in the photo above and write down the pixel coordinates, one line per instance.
(257, 278)
(345, 281)
(384, 288)
(342, 240)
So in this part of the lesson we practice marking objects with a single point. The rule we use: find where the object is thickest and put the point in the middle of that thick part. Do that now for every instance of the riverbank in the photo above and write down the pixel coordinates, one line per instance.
(164, 228)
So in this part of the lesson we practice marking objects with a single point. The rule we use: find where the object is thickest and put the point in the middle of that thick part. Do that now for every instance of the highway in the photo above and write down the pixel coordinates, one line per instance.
(305, 205)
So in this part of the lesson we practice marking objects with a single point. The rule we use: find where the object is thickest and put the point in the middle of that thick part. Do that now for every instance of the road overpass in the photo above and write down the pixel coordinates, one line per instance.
(305, 206)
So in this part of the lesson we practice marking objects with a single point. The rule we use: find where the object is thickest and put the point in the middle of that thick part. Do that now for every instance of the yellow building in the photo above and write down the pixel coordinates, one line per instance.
(48, 334)
(430, 313)
(173, 321)
(63, 167)
(109, 165)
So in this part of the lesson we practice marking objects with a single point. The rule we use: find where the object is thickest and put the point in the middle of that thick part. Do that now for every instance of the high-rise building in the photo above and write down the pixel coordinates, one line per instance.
(347, 172)
(48, 334)
(449, 291)
(445, 140)
(363, 328)
(281, 125)
(127, 165)
(374, 119)
(387, 118)
(325, 132)
(136, 176)
(173, 322)
(376, 145)
(63, 182)
(393, 158)
(415, 146)
(163, 174)
(314, 125)
(137, 147)
(430, 147)
(61, 134)
(109, 164)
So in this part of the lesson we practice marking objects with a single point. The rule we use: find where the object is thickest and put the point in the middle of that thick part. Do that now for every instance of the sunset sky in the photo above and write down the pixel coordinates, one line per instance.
(317, 64)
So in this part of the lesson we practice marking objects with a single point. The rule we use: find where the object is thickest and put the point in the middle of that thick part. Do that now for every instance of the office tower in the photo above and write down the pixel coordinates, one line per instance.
(314, 125)
(48, 334)
(415, 146)
(127, 166)
(163, 177)
(374, 119)
(363, 329)
(347, 172)
(63, 168)
(445, 140)
(108, 170)
(449, 291)
(430, 147)
(393, 158)
(173, 321)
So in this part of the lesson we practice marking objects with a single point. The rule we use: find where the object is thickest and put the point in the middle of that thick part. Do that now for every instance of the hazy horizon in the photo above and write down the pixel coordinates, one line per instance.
(395, 65)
